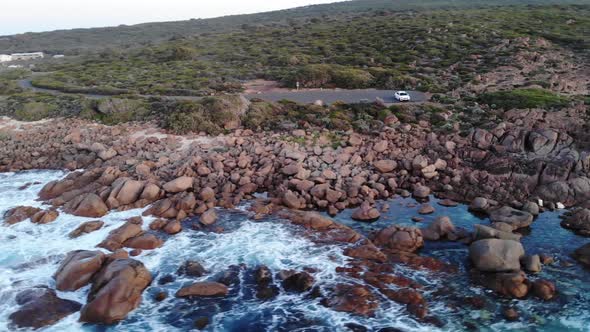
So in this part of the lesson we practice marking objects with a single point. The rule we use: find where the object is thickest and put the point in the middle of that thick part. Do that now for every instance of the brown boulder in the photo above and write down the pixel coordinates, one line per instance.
(144, 242)
(399, 238)
(385, 166)
(87, 205)
(441, 228)
(179, 185)
(116, 290)
(203, 289)
(125, 192)
(207, 194)
(40, 307)
(44, 217)
(514, 284)
(85, 228)
(366, 251)
(426, 209)
(18, 214)
(209, 217)
(544, 289)
(366, 213)
(421, 192)
(495, 255)
(173, 227)
(77, 269)
(117, 236)
(291, 200)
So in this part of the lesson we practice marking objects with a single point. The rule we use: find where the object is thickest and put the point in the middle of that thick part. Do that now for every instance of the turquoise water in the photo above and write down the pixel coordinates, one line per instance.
(245, 244)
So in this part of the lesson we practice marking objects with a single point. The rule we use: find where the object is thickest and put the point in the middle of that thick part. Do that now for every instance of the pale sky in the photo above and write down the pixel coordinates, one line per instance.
(18, 16)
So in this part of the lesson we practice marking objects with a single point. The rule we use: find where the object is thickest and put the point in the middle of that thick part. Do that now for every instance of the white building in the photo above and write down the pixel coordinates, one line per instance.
(5, 57)
(27, 56)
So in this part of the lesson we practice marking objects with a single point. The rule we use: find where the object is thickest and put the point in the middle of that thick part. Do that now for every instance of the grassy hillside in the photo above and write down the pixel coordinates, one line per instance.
(429, 50)
(84, 40)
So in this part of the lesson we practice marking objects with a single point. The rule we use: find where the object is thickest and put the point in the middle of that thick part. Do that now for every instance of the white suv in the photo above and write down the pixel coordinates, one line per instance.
(402, 96)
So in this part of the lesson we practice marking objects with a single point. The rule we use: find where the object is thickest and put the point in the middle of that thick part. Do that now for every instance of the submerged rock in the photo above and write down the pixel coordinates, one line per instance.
(299, 282)
(356, 299)
(582, 254)
(495, 255)
(77, 269)
(203, 289)
(116, 290)
(192, 269)
(41, 307)
(441, 228)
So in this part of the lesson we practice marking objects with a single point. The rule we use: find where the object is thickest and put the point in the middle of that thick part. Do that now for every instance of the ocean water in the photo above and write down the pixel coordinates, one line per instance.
(31, 253)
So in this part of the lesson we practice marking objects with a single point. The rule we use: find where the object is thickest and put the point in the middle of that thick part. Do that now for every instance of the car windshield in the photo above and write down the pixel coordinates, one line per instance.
(401, 93)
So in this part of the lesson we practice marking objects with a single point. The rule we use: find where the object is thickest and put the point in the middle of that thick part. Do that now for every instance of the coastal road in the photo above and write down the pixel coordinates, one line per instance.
(332, 96)
(302, 96)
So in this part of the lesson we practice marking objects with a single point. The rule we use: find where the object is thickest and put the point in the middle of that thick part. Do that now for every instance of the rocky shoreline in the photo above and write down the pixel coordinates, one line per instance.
(527, 163)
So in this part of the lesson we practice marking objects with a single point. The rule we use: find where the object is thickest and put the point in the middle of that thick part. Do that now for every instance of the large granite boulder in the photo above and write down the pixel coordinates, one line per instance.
(513, 217)
(116, 290)
(40, 307)
(87, 205)
(579, 222)
(77, 269)
(495, 255)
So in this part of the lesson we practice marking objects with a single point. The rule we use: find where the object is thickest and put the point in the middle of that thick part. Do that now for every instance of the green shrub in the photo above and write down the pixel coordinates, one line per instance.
(524, 98)
(33, 111)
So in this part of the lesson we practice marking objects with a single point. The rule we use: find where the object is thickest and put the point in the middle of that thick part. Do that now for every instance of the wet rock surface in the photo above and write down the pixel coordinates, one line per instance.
(40, 307)
(116, 290)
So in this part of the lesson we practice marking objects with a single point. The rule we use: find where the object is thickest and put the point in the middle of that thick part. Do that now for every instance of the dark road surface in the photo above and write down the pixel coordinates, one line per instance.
(303, 97)
(332, 96)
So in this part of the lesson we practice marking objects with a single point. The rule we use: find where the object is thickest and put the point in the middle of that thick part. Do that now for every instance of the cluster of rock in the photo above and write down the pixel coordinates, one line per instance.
(499, 258)
(528, 155)
(117, 283)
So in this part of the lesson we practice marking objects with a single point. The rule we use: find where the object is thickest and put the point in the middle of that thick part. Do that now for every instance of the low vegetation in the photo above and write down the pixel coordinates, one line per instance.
(430, 50)
(524, 98)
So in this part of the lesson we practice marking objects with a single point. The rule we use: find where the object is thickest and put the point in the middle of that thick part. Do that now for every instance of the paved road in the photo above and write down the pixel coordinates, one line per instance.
(332, 96)
(304, 97)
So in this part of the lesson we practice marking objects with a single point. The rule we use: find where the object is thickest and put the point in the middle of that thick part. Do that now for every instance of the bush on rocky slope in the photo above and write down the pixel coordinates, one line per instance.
(524, 98)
